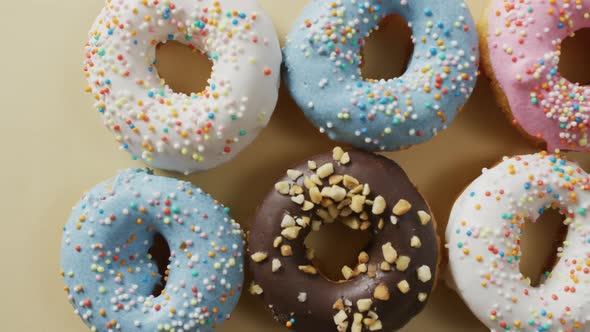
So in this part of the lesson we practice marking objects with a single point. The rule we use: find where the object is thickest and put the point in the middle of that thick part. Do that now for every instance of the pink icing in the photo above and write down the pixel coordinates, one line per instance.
(524, 38)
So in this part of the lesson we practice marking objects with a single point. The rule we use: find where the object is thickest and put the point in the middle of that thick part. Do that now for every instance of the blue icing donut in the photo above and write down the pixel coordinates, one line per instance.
(322, 71)
(110, 276)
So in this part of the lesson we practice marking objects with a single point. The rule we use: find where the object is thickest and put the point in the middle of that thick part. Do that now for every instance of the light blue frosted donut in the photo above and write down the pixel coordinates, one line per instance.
(322, 57)
(110, 276)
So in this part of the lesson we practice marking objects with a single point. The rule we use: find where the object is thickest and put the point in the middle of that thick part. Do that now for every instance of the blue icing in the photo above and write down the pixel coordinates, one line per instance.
(110, 276)
(324, 77)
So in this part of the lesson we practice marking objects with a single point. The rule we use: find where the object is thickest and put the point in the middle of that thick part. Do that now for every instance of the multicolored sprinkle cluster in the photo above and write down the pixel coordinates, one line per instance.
(525, 48)
(484, 235)
(110, 275)
(171, 130)
(382, 114)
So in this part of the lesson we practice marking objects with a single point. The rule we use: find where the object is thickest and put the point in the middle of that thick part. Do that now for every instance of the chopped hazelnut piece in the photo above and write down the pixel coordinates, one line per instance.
(345, 158)
(362, 268)
(365, 225)
(424, 217)
(302, 297)
(403, 286)
(338, 305)
(287, 221)
(351, 222)
(346, 272)
(307, 205)
(424, 273)
(277, 242)
(393, 220)
(276, 265)
(366, 189)
(308, 183)
(337, 193)
(324, 215)
(376, 326)
(286, 250)
(381, 292)
(308, 269)
(294, 174)
(402, 207)
(314, 195)
(259, 256)
(335, 179)
(357, 203)
(372, 270)
(385, 266)
(316, 225)
(311, 165)
(283, 187)
(325, 170)
(291, 233)
(298, 199)
(415, 242)
(402, 263)
(345, 212)
(363, 257)
(316, 179)
(333, 211)
(340, 317)
(389, 253)
(350, 182)
(337, 153)
(357, 325)
(309, 253)
(378, 205)
(364, 305)
(422, 297)
(255, 289)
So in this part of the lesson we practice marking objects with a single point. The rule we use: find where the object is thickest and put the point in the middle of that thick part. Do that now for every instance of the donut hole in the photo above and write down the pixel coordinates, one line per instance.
(185, 69)
(160, 252)
(388, 49)
(540, 242)
(334, 246)
(573, 63)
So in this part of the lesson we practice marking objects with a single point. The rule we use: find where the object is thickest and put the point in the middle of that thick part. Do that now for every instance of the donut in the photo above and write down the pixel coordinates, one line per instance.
(323, 55)
(110, 276)
(395, 273)
(174, 131)
(521, 43)
(483, 240)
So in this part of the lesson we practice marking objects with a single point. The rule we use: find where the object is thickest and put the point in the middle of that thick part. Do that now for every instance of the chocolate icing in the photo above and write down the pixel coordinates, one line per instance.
(281, 288)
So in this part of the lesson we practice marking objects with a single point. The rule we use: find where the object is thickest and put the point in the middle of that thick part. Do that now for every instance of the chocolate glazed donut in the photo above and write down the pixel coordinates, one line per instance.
(395, 273)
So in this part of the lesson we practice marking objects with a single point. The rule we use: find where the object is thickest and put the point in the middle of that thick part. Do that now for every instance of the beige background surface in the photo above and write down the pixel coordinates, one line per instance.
(54, 147)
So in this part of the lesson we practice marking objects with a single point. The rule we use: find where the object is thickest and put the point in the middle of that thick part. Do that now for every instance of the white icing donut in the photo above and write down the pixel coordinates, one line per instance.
(483, 239)
(174, 131)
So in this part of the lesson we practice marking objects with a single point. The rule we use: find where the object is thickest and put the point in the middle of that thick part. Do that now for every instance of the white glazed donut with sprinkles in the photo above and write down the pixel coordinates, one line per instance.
(483, 239)
(175, 131)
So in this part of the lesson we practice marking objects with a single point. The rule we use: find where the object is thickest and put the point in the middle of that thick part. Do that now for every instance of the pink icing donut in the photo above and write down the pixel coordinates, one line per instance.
(523, 42)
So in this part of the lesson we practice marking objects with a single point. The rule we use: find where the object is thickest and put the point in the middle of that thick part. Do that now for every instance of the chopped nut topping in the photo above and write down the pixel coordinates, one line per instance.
(372, 270)
(287, 221)
(351, 222)
(350, 182)
(276, 265)
(389, 253)
(402, 263)
(345, 158)
(357, 325)
(422, 297)
(338, 305)
(363, 257)
(295, 190)
(291, 233)
(335, 179)
(302, 297)
(283, 187)
(259, 256)
(381, 292)
(294, 174)
(308, 183)
(325, 170)
(286, 250)
(424, 217)
(337, 153)
(298, 199)
(337, 193)
(309, 253)
(311, 165)
(308, 269)
(255, 289)
(379, 205)
(415, 242)
(362, 268)
(340, 317)
(403, 286)
(364, 305)
(376, 326)
(314, 195)
(385, 266)
(277, 242)
(346, 272)
(393, 220)
(366, 189)
(303, 221)
(307, 205)
(357, 203)
(424, 273)
(316, 225)
(402, 207)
